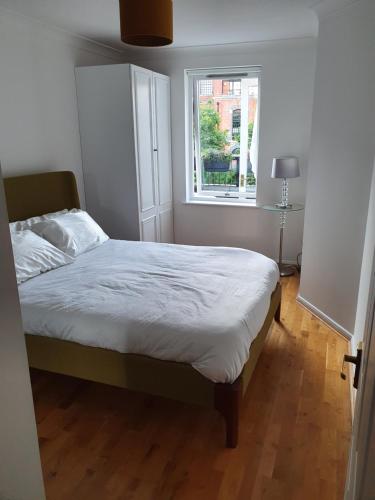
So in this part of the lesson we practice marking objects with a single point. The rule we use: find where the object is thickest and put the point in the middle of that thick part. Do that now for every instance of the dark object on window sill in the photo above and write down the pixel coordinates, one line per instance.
(216, 165)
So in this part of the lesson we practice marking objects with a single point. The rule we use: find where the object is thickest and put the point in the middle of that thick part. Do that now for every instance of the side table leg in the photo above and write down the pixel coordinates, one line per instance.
(284, 270)
(281, 246)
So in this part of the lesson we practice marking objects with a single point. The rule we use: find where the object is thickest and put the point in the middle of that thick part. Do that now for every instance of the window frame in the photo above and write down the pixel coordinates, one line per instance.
(191, 76)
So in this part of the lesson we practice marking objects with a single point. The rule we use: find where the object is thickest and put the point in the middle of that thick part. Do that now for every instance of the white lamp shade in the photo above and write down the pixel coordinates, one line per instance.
(285, 167)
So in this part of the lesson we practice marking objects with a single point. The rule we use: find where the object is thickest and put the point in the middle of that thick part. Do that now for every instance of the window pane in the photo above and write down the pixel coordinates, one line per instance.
(236, 124)
(225, 158)
(205, 87)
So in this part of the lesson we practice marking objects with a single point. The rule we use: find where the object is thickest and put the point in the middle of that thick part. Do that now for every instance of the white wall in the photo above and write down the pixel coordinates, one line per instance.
(366, 270)
(285, 116)
(20, 471)
(39, 121)
(340, 165)
(40, 132)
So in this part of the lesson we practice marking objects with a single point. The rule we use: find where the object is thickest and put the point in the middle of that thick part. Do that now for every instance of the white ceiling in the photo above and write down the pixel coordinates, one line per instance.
(196, 22)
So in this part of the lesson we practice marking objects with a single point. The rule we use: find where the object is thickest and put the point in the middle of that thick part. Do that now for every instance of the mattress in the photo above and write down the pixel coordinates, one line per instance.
(198, 305)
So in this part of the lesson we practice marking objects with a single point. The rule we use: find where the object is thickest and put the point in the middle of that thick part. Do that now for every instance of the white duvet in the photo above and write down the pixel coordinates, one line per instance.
(198, 305)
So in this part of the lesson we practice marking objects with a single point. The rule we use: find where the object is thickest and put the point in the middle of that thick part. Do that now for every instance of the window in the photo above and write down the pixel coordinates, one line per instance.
(231, 87)
(222, 134)
(236, 124)
(205, 87)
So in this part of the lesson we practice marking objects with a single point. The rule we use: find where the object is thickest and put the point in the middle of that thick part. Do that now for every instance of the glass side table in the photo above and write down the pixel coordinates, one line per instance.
(284, 269)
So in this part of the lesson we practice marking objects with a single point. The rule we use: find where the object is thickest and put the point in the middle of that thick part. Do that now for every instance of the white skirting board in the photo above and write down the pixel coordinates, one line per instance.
(342, 331)
(326, 319)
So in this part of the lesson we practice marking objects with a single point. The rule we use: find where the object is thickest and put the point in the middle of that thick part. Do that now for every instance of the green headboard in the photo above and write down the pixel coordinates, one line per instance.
(38, 194)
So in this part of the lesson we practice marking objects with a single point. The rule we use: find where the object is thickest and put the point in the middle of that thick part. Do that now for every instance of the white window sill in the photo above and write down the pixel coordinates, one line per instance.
(222, 203)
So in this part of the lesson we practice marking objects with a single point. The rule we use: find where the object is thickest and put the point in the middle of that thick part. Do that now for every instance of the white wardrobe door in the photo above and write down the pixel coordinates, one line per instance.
(166, 226)
(163, 137)
(142, 91)
(149, 229)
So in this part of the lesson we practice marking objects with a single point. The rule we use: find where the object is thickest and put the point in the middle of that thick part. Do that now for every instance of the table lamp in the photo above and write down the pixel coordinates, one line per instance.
(285, 167)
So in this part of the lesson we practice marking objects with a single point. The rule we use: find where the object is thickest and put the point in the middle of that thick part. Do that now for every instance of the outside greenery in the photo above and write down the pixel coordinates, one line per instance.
(214, 148)
(236, 137)
(211, 137)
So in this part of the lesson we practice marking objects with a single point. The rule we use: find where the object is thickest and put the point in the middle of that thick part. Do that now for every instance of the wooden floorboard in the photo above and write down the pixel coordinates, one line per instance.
(100, 442)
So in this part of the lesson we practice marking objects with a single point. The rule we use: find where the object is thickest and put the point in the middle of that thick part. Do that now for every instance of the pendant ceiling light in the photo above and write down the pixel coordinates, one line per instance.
(147, 23)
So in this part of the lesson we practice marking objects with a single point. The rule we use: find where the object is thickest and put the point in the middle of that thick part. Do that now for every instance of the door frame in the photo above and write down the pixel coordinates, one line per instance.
(360, 482)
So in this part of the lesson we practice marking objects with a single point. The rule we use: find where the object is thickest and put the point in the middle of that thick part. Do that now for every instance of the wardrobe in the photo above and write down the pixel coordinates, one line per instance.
(124, 120)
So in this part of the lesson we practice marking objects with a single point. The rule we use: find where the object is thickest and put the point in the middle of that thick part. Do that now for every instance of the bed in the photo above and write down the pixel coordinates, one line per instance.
(131, 284)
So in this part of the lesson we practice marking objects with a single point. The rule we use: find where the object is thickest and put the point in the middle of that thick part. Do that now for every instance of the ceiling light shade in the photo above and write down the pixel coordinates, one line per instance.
(285, 167)
(146, 23)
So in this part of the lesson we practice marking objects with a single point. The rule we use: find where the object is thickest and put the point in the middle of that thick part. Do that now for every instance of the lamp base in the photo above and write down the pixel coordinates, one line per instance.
(286, 270)
(283, 205)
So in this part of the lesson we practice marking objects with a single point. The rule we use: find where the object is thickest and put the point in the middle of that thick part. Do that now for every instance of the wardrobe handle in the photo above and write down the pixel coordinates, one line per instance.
(155, 149)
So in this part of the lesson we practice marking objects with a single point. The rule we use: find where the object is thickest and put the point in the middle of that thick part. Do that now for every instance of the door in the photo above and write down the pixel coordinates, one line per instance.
(162, 158)
(20, 471)
(360, 484)
(149, 229)
(142, 83)
(166, 225)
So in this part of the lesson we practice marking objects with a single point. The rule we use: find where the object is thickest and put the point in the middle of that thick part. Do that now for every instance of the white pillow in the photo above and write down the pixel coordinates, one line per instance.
(33, 255)
(73, 233)
(21, 225)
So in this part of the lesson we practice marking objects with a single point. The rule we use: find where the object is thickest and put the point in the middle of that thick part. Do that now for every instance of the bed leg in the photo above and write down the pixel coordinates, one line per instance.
(278, 313)
(227, 402)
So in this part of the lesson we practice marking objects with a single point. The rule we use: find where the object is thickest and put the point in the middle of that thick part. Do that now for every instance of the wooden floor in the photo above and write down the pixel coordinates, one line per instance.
(99, 442)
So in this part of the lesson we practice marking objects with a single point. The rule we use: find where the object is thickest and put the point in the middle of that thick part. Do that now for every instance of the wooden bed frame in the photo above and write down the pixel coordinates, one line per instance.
(38, 194)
